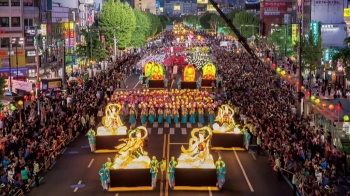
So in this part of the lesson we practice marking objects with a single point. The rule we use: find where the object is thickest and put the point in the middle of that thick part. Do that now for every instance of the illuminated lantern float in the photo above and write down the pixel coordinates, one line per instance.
(209, 75)
(155, 75)
(195, 167)
(226, 133)
(131, 165)
(111, 131)
(189, 78)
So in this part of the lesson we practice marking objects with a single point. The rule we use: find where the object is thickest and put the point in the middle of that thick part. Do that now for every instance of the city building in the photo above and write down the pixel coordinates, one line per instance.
(146, 5)
(329, 14)
(18, 19)
(180, 7)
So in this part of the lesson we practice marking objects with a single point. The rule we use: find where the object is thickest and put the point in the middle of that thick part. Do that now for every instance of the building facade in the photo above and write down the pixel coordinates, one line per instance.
(180, 7)
(146, 5)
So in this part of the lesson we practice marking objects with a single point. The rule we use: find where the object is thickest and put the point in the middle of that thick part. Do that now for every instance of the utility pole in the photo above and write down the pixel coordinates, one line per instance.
(64, 62)
(37, 62)
(10, 65)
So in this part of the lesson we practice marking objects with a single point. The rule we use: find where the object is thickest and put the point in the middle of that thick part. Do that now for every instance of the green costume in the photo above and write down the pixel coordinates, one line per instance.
(173, 161)
(109, 163)
(220, 161)
(154, 162)
(171, 175)
(154, 172)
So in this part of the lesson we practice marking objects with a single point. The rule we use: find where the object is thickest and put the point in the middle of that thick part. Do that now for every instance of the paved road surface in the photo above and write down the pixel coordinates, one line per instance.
(76, 165)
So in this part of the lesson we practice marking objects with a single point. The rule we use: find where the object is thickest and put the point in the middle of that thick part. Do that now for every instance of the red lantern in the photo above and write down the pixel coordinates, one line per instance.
(26, 97)
(37, 86)
(2, 116)
(84, 66)
(31, 92)
(337, 107)
(297, 83)
(308, 93)
(273, 66)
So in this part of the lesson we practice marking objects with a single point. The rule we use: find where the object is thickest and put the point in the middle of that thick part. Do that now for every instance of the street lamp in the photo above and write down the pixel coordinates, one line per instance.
(17, 41)
(10, 65)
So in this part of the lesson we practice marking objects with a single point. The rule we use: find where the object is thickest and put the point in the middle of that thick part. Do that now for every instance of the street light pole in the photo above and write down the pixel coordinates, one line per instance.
(10, 65)
(17, 59)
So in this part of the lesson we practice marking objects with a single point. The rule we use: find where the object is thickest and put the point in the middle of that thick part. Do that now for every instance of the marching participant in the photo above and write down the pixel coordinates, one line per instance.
(92, 139)
(154, 172)
(221, 171)
(171, 175)
(104, 173)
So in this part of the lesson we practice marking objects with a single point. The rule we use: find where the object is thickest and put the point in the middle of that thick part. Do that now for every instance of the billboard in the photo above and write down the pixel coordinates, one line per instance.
(328, 11)
(157, 4)
(252, 1)
(295, 33)
(314, 26)
(202, 1)
(177, 8)
(210, 7)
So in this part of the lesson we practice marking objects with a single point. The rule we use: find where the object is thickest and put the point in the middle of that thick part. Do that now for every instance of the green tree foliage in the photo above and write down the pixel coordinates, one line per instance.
(163, 20)
(153, 25)
(92, 47)
(143, 26)
(2, 91)
(232, 14)
(204, 20)
(247, 23)
(117, 19)
(216, 21)
(343, 54)
(311, 52)
(278, 39)
(191, 19)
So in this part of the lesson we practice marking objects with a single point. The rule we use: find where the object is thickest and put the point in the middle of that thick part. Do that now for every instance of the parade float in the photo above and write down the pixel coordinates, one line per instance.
(195, 167)
(226, 133)
(112, 129)
(189, 78)
(209, 75)
(131, 166)
(156, 76)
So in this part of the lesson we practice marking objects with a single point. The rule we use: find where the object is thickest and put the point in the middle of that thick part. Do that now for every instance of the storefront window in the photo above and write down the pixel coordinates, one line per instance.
(32, 73)
(5, 42)
(15, 22)
(15, 2)
(29, 41)
(4, 21)
(4, 2)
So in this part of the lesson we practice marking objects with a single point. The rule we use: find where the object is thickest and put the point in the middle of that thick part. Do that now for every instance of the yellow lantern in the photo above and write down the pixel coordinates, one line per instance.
(70, 69)
(20, 102)
(302, 88)
(199, 37)
(331, 107)
(317, 101)
(283, 73)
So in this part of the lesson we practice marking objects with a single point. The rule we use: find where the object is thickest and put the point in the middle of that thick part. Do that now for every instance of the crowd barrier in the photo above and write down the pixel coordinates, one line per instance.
(49, 161)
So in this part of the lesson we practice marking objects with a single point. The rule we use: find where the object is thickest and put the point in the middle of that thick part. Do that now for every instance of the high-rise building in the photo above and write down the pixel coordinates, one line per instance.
(180, 7)
(146, 5)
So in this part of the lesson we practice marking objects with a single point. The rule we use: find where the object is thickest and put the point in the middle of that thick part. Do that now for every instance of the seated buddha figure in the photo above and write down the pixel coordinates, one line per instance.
(148, 68)
(209, 72)
(189, 74)
(157, 73)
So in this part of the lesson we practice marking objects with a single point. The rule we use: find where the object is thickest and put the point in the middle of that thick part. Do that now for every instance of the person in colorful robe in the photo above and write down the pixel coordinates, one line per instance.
(220, 161)
(162, 166)
(154, 162)
(184, 115)
(176, 115)
(221, 171)
(141, 79)
(92, 139)
(173, 161)
(246, 138)
(151, 115)
(201, 115)
(121, 115)
(160, 115)
(211, 116)
(144, 115)
(132, 118)
(108, 166)
(168, 115)
(104, 173)
(147, 82)
(154, 172)
(171, 175)
(193, 116)
(179, 84)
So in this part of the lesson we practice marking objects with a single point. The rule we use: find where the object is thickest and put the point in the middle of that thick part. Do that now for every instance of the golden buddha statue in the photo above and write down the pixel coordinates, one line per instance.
(157, 72)
(209, 72)
(189, 74)
(148, 68)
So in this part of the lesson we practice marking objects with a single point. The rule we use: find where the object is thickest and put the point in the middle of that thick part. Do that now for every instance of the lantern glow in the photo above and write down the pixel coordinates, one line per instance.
(278, 69)
(312, 97)
(324, 104)
(331, 107)
(317, 101)
(302, 88)
(283, 73)
(346, 118)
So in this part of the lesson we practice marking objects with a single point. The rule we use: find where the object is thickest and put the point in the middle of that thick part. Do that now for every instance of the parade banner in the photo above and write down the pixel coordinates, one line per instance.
(295, 33)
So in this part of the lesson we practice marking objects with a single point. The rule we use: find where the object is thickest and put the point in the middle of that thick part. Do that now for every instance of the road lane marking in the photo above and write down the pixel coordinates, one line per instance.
(210, 193)
(90, 163)
(245, 175)
(172, 131)
(136, 84)
(189, 125)
(53, 164)
(155, 124)
(252, 153)
(178, 143)
(117, 194)
(166, 124)
(164, 150)
(178, 125)
(64, 150)
(149, 130)
(183, 131)
(76, 189)
(160, 131)
(167, 157)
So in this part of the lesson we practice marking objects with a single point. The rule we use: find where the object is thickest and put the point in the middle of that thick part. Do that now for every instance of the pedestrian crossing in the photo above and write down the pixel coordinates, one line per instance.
(165, 128)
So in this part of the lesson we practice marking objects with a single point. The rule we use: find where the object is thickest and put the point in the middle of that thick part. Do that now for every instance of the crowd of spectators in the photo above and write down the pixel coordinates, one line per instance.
(30, 142)
(302, 152)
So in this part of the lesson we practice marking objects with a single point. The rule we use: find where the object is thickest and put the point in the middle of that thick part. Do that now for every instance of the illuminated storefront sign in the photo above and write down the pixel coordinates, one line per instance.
(295, 37)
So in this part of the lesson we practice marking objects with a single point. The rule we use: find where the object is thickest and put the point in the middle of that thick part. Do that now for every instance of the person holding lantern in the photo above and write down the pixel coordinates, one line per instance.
(184, 114)
(151, 114)
(193, 115)
(176, 115)
(168, 114)
(144, 115)
(211, 116)
(160, 115)
(92, 139)
(201, 115)
(132, 118)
